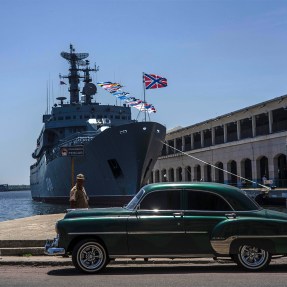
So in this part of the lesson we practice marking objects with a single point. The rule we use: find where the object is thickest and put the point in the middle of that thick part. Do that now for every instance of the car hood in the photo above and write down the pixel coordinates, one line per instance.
(96, 212)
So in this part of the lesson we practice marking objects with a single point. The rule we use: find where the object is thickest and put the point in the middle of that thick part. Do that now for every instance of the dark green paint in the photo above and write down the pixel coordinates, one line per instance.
(181, 232)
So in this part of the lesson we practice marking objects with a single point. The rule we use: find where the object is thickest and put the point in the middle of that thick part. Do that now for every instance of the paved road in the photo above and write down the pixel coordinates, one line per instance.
(138, 276)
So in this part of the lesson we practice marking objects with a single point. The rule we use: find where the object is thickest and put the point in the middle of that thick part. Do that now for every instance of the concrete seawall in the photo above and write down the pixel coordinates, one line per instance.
(27, 235)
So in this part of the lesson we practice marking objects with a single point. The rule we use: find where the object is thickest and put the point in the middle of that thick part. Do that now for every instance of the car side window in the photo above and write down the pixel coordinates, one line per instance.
(200, 200)
(161, 200)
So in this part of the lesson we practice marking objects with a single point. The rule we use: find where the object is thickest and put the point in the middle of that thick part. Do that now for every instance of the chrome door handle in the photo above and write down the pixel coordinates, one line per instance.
(177, 214)
(230, 215)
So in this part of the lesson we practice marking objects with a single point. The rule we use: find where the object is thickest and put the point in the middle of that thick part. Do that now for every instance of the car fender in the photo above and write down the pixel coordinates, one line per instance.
(227, 236)
(99, 228)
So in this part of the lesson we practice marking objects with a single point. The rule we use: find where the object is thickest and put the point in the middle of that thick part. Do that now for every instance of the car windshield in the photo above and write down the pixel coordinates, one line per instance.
(133, 203)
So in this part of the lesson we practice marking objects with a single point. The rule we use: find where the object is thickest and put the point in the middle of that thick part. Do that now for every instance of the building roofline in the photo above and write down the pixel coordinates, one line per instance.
(280, 99)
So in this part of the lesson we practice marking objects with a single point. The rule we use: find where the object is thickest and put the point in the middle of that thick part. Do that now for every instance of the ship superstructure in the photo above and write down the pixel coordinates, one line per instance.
(115, 153)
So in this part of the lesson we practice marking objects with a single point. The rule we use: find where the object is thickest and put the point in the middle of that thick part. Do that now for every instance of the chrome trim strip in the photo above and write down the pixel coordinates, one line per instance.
(156, 232)
(197, 232)
(127, 233)
(95, 233)
(138, 232)
(162, 256)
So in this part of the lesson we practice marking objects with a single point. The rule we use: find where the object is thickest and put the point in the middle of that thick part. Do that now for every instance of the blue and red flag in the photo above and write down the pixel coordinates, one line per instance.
(154, 81)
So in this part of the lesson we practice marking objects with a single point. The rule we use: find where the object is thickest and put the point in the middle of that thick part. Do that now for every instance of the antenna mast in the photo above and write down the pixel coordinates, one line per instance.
(74, 77)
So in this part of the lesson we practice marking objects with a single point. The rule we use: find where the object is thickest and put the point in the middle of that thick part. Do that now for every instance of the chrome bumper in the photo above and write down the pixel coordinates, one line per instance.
(51, 247)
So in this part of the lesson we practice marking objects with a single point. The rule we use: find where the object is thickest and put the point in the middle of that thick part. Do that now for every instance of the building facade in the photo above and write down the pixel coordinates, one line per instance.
(236, 148)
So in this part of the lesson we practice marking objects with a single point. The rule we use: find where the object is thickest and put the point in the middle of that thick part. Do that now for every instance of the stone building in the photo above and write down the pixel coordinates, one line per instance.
(250, 143)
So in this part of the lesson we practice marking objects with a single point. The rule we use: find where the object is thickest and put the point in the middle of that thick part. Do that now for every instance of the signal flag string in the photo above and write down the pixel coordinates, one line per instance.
(214, 166)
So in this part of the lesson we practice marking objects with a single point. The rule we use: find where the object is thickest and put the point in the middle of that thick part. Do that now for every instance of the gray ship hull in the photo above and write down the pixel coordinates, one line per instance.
(116, 163)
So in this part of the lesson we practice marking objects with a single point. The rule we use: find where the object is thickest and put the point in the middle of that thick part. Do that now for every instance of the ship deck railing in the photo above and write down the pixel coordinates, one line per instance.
(72, 140)
(77, 138)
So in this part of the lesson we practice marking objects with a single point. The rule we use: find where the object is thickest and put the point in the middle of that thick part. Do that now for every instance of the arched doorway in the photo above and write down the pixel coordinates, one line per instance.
(188, 173)
(232, 167)
(246, 172)
(163, 175)
(156, 176)
(171, 175)
(197, 173)
(262, 168)
(207, 173)
(179, 174)
(280, 167)
(219, 174)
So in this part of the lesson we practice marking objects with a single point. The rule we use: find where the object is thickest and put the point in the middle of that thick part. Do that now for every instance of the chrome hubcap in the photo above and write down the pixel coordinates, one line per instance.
(252, 256)
(91, 257)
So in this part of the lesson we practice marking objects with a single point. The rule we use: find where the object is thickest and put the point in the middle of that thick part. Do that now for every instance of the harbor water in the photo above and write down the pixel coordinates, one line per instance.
(19, 204)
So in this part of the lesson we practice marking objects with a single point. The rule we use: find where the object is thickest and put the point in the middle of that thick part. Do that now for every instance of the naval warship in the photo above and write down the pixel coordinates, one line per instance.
(114, 152)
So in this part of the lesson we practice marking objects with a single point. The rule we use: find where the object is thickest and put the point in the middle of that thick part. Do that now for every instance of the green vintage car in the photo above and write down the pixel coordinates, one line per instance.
(174, 220)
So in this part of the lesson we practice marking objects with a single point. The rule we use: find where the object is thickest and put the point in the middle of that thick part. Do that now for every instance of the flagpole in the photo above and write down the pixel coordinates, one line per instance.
(144, 97)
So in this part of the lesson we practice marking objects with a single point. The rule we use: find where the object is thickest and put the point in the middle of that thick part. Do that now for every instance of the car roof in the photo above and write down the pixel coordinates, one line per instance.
(219, 188)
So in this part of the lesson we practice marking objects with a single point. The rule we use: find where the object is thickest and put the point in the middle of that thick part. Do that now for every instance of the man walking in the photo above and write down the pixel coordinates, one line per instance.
(78, 195)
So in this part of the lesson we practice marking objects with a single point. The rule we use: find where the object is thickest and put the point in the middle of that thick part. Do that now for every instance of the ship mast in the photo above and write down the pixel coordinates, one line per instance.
(74, 60)
(89, 88)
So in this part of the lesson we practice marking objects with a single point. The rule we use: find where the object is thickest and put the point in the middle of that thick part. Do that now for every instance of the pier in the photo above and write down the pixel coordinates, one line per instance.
(17, 187)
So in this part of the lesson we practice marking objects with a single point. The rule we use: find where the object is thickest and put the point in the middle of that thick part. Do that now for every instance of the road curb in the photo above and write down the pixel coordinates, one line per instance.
(62, 261)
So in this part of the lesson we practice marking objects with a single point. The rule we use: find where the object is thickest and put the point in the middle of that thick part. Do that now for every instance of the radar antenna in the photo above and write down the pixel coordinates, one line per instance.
(75, 59)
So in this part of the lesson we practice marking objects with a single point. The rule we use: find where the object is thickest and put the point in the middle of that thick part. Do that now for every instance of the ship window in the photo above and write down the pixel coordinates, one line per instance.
(68, 118)
(74, 117)
(124, 117)
(87, 116)
(81, 117)
(60, 118)
(116, 169)
(117, 117)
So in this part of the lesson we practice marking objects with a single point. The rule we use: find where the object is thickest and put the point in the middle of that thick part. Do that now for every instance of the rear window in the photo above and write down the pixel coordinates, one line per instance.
(202, 200)
(242, 202)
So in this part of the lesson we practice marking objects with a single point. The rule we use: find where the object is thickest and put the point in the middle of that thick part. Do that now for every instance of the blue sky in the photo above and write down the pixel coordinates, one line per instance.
(218, 56)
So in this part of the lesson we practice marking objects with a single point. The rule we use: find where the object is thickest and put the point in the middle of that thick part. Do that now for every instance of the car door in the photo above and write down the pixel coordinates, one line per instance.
(156, 227)
(203, 210)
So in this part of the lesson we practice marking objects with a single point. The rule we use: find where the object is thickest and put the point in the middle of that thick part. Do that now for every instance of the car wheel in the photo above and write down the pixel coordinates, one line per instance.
(89, 256)
(252, 258)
